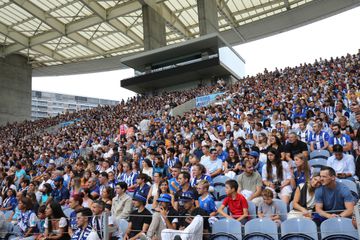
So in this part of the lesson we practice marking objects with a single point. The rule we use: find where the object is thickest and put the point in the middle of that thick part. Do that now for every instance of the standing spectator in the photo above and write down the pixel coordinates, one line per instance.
(235, 202)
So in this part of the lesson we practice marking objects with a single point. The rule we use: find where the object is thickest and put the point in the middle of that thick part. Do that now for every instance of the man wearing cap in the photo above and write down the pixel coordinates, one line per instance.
(253, 157)
(140, 219)
(60, 193)
(164, 217)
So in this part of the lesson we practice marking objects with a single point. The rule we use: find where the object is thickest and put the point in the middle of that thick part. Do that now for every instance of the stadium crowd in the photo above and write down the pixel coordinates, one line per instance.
(138, 163)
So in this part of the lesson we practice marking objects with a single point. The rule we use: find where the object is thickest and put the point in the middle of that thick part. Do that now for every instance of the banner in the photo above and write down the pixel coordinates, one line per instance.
(204, 101)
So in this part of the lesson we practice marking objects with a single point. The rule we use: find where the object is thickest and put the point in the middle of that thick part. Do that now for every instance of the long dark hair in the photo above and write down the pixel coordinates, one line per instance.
(161, 182)
(277, 162)
(57, 213)
(236, 156)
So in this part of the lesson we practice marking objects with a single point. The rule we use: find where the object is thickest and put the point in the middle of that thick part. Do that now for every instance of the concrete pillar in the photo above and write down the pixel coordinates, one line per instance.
(15, 89)
(154, 29)
(208, 17)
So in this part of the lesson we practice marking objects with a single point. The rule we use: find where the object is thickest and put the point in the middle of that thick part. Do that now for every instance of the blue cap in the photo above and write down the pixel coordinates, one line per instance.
(164, 198)
(186, 196)
(253, 154)
(58, 179)
(139, 197)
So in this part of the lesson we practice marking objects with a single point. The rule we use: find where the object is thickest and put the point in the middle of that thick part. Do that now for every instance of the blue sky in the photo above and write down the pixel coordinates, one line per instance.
(334, 36)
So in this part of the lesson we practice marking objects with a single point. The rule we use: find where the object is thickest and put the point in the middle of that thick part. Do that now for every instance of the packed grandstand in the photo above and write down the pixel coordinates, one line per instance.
(275, 155)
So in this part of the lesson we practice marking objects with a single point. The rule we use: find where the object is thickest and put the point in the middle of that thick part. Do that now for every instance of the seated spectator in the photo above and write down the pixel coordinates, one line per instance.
(319, 140)
(206, 202)
(304, 133)
(128, 176)
(232, 163)
(41, 216)
(276, 176)
(222, 155)
(304, 198)
(107, 195)
(147, 167)
(199, 173)
(94, 188)
(189, 211)
(140, 219)
(121, 203)
(253, 157)
(295, 146)
(55, 225)
(160, 166)
(184, 180)
(60, 193)
(163, 189)
(332, 199)
(342, 163)
(213, 164)
(142, 187)
(97, 221)
(85, 230)
(154, 187)
(174, 184)
(172, 159)
(302, 172)
(163, 217)
(250, 183)
(339, 138)
(235, 202)
(75, 203)
(9, 203)
(267, 207)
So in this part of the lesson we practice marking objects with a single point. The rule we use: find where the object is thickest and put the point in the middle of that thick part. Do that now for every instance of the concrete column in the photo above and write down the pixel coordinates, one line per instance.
(208, 17)
(154, 29)
(15, 89)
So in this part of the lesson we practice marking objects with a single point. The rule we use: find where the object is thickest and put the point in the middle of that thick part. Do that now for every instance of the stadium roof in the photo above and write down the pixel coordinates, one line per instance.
(78, 36)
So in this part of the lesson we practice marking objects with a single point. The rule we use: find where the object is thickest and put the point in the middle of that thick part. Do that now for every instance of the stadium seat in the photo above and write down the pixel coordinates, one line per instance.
(252, 210)
(219, 192)
(299, 228)
(68, 211)
(350, 184)
(319, 154)
(123, 225)
(229, 226)
(338, 228)
(149, 207)
(220, 180)
(317, 163)
(282, 208)
(291, 206)
(261, 228)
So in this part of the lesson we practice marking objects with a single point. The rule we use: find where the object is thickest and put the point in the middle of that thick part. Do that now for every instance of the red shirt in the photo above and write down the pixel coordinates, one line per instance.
(236, 206)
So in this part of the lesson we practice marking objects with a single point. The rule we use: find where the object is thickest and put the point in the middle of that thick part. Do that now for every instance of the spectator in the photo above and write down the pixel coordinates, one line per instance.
(253, 157)
(206, 202)
(302, 172)
(185, 188)
(154, 187)
(163, 189)
(267, 207)
(55, 225)
(332, 199)
(319, 140)
(232, 163)
(163, 217)
(121, 203)
(250, 183)
(276, 176)
(173, 182)
(97, 221)
(213, 165)
(199, 173)
(85, 230)
(339, 138)
(236, 203)
(140, 219)
(75, 203)
(128, 176)
(343, 164)
(60, 193)
(295, 146)
(142, 187)
(304, 198)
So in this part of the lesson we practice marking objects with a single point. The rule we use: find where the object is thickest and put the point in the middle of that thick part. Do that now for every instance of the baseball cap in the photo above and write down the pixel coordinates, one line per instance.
(253, 154)
(139, 197)
(58, 179)
(164, 198)
(186, 196)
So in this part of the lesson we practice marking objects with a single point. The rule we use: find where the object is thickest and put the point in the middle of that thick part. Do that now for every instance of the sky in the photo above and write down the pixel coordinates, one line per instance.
(331, 37)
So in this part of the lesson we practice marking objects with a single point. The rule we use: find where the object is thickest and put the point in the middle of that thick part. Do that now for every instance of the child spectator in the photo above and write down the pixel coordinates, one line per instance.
(235, 202)
(267, 208)
(174, 185)
(206, 202)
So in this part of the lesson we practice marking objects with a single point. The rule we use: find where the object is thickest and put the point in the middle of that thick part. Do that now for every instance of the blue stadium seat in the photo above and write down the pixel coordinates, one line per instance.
(252, 210)
(230, 226)
(149, 207)
(219, 192)
(320, 154)
(122, 225)
(338, 228)
(220, 180)
(290, 229)
(350, 184)
(282, 208)
(261, 228)
(317, 163)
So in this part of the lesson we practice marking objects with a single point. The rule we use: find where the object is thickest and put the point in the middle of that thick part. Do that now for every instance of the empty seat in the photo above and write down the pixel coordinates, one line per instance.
(318, 163)
(220, 180)
(252, 210)
(261, 228)
(282, 208)
(219, 192)
(338, 228)
(350, 184)
(122, 225)
(299, 228)
(229, 226)
(320, 154)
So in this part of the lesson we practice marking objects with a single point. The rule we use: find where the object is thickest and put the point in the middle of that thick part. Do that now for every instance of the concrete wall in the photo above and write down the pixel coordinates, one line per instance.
(15, 89)
(185, 107)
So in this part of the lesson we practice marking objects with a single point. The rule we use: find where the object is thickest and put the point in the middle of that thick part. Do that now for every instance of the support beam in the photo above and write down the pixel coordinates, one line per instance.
(76, 26)
(154, 29)
(287, 4)
(227, 14)
(208, 18)
(169, 17)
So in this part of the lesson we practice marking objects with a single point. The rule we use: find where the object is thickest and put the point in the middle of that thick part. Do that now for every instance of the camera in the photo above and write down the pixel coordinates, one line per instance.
(277, 186)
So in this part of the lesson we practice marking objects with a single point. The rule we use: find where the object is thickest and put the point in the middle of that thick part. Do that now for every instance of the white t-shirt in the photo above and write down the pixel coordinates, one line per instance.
(286, 172)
